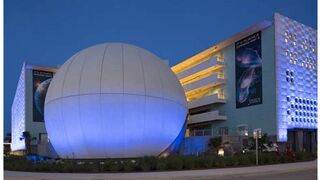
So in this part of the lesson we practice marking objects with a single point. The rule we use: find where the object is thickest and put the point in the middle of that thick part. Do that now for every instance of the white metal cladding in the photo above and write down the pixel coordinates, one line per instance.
(18, 114)
(296, 64)
(114, 100)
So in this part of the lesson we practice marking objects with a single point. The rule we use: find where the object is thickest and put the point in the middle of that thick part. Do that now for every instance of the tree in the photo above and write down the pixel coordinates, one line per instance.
(27, 139)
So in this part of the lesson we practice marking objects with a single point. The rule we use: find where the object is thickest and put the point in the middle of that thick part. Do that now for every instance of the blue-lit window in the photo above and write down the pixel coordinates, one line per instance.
(300, 101)
(291, 73)
(288, 112)
(304, 101)
(296, 100)
(287, 72)
(300, 120)
(307, 101)
(291, 80)
(296, 106)
(292, 106)
(288, 79)
(300, 113)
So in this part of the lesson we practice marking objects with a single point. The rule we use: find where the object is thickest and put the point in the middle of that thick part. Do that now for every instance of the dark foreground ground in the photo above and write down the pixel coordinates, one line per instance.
(310, 174)
(290, 171)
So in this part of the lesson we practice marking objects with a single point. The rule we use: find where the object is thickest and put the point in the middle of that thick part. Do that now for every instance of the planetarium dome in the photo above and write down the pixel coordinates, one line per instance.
(114, 100)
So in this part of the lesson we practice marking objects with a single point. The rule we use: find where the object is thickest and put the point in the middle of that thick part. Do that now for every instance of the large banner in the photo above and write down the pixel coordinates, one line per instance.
(41, 81)
(248, 71)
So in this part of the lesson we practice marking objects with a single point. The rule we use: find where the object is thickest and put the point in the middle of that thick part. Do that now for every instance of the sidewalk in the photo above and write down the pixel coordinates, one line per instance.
(190, 174)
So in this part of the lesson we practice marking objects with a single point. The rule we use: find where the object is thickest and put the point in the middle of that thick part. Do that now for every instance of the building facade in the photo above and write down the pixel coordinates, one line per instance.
(263, 77)
(27, 120)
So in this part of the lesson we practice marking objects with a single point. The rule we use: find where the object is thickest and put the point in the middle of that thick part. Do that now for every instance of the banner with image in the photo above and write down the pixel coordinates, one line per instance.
(248, 71)
(41, 82)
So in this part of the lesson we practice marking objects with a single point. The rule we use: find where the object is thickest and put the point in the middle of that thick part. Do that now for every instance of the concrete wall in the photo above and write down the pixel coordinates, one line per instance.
(256, 116)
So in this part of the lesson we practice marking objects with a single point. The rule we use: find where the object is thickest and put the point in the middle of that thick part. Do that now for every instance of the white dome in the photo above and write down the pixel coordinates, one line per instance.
(114, 100)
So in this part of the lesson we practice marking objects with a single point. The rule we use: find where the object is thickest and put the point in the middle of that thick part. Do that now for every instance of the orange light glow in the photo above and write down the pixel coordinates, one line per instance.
(200, 75)
(203, 91)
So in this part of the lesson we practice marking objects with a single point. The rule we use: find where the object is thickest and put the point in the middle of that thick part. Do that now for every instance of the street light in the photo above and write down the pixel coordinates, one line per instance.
(257, 134)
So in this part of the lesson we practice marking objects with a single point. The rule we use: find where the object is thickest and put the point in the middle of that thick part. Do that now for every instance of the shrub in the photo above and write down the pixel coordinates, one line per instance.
(244, 160)
(188, 162)
(149, 163)
(129, 165)
(161, 165)
(115, 165)
(174, 163)
(231, 161)
(305, 156)
(203, 162)
(220, 162)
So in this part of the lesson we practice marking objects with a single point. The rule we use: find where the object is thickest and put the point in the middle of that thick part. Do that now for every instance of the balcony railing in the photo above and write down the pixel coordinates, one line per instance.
(211, 99)
(203, 82)
(204, 65)
(206, 117)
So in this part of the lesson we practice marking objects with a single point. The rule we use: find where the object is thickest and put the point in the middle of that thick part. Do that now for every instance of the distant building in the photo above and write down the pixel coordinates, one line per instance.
(263, 77)
(27, 109)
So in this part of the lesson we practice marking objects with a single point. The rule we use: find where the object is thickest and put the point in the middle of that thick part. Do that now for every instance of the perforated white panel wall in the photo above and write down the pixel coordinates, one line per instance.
(296, 67)
(18, 114)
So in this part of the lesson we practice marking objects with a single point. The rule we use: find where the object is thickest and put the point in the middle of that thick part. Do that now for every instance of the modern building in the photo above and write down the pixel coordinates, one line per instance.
(27, 114)
(262, 77)
(119, 100)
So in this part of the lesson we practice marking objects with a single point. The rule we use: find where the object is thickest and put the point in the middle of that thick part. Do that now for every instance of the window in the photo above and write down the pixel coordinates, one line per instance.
(223, 131)
(288, 98)
(291, 80)
(243, 130)
(288, 79)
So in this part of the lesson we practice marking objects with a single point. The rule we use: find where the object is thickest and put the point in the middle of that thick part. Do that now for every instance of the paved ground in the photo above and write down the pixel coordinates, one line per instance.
(291, 171)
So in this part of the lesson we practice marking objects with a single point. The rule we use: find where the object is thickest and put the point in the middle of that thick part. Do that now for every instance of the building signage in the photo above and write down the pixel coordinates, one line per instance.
(41, 81)
(248, 71)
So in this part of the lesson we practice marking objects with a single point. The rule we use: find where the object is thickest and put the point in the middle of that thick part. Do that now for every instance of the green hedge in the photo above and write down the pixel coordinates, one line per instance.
(149, 163)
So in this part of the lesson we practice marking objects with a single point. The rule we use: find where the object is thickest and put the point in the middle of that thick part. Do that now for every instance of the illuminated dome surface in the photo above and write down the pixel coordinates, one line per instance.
(114, 100)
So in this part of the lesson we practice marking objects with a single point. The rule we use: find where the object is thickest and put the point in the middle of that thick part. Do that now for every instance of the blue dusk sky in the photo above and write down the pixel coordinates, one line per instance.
(48, 32)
